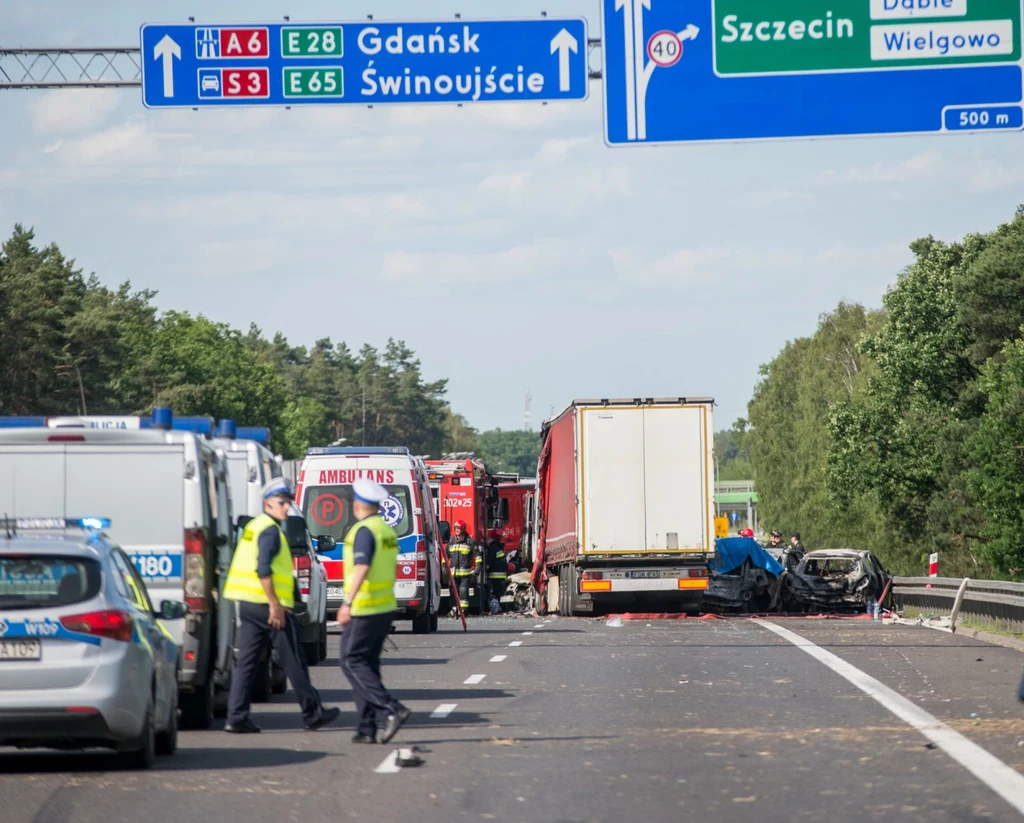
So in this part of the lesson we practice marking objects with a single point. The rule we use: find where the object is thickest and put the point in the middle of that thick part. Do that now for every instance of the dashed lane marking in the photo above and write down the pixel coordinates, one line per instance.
(390, 764)
(443, 710)
(498, 658)
(527, 634)
(515, 643)
(473, 679)
(989, 769)
(540, 626)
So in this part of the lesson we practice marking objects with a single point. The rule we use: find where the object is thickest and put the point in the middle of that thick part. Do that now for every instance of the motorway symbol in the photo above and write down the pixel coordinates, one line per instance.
(364, 63)
(750, 70)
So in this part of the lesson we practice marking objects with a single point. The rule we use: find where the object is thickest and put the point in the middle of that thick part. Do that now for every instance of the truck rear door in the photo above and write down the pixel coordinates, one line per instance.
(32, 481)
(675, 478)
(612, 475)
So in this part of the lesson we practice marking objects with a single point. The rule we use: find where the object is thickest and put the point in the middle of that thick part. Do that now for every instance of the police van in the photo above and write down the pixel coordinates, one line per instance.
(166, 493)
(324, 493)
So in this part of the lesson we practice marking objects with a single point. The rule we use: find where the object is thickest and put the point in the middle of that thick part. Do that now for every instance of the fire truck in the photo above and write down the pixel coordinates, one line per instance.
(515, 503)
(463, 489)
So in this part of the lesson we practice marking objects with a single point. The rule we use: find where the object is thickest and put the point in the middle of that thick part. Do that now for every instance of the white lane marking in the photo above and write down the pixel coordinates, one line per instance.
(527, 634)
(390, 764)
(540, 626)
(443, 710)
(990, 770)
(473, 679)
(498, 658)
(515, 643)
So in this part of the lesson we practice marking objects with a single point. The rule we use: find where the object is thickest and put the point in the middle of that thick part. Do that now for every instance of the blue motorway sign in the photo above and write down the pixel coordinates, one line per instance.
(699, 70)
(366, 63)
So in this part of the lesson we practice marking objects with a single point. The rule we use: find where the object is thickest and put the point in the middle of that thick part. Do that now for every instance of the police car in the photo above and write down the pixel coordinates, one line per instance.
(84, 659)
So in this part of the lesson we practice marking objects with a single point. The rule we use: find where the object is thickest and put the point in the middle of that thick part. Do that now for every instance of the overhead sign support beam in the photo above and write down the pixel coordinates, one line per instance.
(70, 68)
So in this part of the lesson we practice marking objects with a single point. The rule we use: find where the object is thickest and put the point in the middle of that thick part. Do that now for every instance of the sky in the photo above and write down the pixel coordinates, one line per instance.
(505, 243)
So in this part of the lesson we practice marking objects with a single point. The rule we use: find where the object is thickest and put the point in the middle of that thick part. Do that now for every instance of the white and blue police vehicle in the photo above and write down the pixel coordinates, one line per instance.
(85, 659)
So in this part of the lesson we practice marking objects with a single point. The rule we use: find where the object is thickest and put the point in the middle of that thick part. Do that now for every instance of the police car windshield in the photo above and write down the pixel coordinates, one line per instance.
(328, 510)
(47, 581)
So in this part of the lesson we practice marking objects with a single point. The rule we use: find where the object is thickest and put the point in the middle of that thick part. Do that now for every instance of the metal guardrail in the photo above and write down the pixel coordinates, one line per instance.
(995, 602)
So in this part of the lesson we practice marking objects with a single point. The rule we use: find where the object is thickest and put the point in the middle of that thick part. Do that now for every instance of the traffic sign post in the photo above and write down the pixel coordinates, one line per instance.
(367, 63)
(704, 70)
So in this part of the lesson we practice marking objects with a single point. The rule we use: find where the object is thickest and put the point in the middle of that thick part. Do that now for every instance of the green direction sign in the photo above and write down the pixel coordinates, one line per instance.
(312, 41)
(804, 36)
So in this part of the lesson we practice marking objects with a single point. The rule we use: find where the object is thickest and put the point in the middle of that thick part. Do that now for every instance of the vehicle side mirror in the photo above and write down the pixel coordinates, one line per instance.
(446, 530)
(295, 531)
(172, 610)
(326, 543)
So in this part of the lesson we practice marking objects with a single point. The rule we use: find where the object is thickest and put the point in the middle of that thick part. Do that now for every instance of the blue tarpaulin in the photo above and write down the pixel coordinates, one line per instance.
(731, 552)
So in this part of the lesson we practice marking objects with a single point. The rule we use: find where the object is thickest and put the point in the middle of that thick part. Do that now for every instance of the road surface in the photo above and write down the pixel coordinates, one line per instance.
(663, 721)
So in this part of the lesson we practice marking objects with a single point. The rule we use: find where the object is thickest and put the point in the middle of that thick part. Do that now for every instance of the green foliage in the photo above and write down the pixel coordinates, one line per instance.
(732, 452)
(459, 436)
(68, 345)
(510, 451)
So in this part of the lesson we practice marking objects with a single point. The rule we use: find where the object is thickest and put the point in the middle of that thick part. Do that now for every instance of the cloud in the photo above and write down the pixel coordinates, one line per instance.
(917, 166)
(506, 182)
(71, 110)
(520, 263)
(557, 150)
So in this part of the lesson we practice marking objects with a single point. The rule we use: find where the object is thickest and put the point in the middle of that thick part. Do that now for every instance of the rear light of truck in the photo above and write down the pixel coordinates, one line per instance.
(112, 624)
(303, 570)
(194, 581)
(593, 575)
(421, 560)
(698, 572)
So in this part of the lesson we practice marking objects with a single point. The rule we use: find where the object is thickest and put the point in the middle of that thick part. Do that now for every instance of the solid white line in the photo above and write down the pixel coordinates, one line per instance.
(473, 679)
(515, 643)
(390, 764)
(990, 770)
(527, 634)
(498, 658)
(443, 710)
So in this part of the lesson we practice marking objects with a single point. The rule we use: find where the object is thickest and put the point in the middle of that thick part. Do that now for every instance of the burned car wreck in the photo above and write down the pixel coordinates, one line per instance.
(743, 577)
(834, 580)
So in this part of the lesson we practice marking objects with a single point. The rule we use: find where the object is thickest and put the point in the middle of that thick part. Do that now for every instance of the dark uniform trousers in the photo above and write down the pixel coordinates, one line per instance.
(362, 642)
(252, 641)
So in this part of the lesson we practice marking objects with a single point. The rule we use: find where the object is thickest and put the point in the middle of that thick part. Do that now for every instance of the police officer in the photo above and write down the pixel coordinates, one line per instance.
(370, 556)
(497, 568)
(261, 581)
(461, 552)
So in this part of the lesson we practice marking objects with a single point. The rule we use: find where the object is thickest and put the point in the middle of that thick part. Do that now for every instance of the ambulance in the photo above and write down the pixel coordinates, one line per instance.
(324, 494)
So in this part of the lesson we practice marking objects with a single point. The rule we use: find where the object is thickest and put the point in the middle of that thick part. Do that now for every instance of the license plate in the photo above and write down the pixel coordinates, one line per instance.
(645, 575)
(20, 650)
(335, 591)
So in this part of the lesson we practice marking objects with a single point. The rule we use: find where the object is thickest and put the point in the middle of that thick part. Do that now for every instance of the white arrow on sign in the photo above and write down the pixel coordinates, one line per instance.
(166, 50)
(563, 43)
(627, 26)
(689, 33)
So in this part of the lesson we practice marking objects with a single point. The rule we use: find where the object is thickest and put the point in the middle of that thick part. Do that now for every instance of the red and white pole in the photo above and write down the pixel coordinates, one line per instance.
(933, 566)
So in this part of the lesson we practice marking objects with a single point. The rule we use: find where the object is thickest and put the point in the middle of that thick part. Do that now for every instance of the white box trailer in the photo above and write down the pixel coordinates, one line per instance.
(625, 504)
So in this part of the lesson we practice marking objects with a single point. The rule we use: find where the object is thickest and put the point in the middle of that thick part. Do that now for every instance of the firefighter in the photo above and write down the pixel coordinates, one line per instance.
(262, 582)
(371, 552)
(497, 569)
(461, 553)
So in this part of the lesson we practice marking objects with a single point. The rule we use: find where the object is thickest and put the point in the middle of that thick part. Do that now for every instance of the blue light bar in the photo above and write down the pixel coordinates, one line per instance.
(358, 450)
(55, 523)
(259, 434)
(227, 429)
(22, 422)
(199, 425)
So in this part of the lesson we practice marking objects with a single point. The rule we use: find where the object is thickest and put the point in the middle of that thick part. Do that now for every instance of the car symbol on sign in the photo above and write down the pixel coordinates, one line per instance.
(210, 83)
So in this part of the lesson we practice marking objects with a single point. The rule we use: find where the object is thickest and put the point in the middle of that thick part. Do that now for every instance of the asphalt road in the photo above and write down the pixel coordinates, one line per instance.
(662, 721)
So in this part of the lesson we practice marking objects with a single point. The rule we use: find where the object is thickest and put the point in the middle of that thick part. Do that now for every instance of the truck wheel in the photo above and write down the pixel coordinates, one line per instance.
(564, 605)
(433, 622)
(197, 708)
(421, 623)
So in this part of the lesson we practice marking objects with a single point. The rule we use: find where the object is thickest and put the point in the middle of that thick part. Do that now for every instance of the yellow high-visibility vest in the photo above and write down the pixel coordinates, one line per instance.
(377, 594)
(243, 583)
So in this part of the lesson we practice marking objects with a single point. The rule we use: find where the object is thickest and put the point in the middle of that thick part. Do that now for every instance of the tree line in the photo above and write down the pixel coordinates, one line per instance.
(901, 429)
(70, 345)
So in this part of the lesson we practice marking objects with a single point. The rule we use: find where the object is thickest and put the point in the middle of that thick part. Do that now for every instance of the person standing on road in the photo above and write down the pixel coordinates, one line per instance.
(461, 551)
(497, 570)
(795, 544)
(371, 557)
(262, 582)
(775, 540)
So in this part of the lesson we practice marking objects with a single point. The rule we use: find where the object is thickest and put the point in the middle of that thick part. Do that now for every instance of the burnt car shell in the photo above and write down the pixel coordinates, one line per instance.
(834, 580)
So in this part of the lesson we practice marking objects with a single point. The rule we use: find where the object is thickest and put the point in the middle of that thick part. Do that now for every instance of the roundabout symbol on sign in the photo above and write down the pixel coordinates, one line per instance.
(665, 48)
(328, 509)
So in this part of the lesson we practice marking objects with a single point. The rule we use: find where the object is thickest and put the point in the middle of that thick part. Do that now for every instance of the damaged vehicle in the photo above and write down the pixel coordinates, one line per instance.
(743, 577)
(519, 595)
(834, 580)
